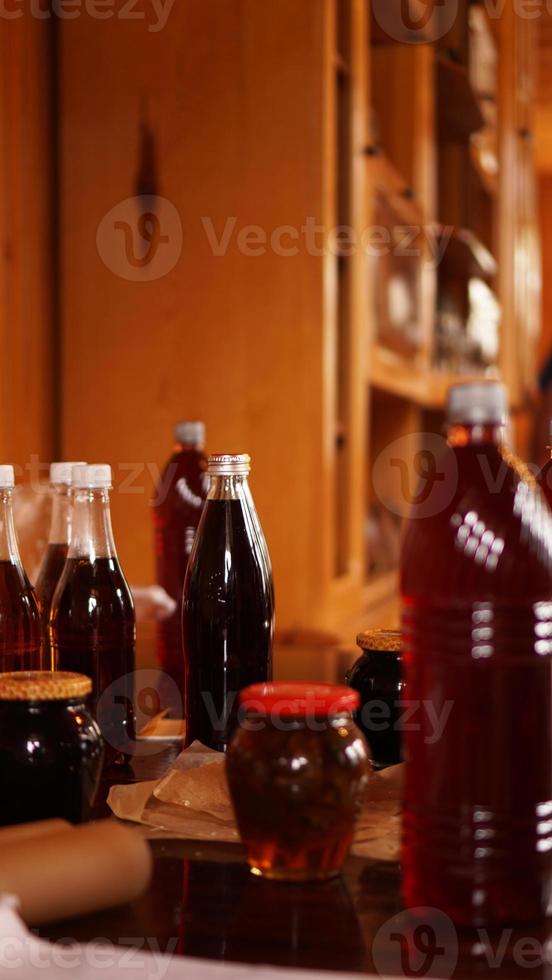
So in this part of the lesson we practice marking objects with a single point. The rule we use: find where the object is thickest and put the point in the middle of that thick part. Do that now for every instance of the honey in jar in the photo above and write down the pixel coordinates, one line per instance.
(297, 767)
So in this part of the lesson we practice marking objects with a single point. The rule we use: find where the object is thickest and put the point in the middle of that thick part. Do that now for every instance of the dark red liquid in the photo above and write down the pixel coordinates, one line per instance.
(477, 621)
(20, 633)
(49, 576)
(177, 510)
(227, 622)
(92, 631)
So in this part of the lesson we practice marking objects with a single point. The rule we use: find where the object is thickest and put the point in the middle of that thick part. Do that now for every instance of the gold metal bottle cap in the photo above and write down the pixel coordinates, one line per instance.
(389, 640)
(229, 464)
(43, 685)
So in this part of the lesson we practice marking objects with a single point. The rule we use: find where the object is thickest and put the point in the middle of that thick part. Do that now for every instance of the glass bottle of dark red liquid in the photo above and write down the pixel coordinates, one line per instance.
(20, 631)
(228, 606)
(177, 508)
(58, 541)
(92, 623)
(476, 583)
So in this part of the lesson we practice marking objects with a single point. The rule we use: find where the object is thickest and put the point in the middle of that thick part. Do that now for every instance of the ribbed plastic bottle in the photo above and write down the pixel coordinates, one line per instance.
(476, 584)
(177, 508)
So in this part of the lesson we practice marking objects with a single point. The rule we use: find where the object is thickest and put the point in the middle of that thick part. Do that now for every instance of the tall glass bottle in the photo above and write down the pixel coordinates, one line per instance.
(58, 539)
(177, 507)
(20, 632)
(228, 605)
(476, 583)
(92, 623)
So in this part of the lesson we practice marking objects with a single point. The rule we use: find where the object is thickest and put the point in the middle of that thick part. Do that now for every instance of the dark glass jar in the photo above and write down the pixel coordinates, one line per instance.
(50, 747)
(376, 676)
(297, 767)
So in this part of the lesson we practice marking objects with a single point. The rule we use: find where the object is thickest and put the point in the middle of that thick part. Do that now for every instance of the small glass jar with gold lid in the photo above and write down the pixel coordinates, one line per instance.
(376, 675)
(50, 747)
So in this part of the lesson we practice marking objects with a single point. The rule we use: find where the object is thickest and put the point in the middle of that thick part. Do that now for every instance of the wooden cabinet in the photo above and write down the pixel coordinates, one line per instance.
(269, 155)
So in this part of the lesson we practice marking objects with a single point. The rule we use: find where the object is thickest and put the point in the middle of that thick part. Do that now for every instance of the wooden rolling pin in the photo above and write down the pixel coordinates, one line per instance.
(71, 871)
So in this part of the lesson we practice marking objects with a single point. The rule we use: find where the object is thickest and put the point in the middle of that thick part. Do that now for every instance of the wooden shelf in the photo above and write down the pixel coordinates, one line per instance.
(466, 256)
(487, 181)
(458, 110)
(390, 183)
(394, 376)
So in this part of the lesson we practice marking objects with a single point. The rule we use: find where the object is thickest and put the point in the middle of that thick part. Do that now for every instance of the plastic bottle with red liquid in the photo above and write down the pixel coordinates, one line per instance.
(92, 622)
(20, 630)
(227, 606)
(59, 539)
(476, 584)
(177, 508)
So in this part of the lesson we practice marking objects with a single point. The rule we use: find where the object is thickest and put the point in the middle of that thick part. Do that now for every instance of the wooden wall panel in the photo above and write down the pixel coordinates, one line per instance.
(220, 113)
(27, 273)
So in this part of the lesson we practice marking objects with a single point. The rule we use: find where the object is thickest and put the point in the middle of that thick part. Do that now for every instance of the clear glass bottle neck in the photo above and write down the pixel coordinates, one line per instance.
(9, 548)
(62, 513)
(229, 488)
(491, 434)
(92, 535)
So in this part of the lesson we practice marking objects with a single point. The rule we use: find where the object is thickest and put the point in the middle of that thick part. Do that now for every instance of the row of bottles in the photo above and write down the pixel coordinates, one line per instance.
(219, 640)
(81, 617)
(476, 585)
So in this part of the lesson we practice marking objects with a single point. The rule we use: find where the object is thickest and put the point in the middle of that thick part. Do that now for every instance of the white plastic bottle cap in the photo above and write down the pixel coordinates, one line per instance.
(229, 464)
(61, 474)
(478, 403)
(7, 478)
(190, 433)
(94, 476)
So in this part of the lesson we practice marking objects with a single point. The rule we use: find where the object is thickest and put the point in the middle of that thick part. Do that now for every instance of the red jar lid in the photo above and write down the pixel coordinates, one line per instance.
(299, 700)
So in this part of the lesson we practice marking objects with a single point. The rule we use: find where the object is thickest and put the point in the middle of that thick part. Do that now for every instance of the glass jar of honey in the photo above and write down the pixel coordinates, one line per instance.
(376, 675)
(50, 747)
(297, 767)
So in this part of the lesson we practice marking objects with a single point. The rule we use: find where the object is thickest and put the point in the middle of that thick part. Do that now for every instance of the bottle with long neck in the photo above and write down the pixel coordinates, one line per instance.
(92, 623)
(476, 583)
(228, 605)
(177, 507)
(20, 632)
(59, 539)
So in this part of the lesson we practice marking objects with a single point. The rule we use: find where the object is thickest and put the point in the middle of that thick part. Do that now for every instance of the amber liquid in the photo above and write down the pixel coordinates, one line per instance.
(49, 576)
(227, 622)
(477, 622)
(296, 794)
(92, 631)
(177, 511)
(20, 632)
